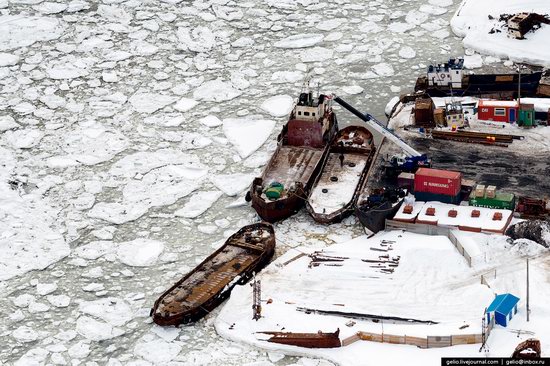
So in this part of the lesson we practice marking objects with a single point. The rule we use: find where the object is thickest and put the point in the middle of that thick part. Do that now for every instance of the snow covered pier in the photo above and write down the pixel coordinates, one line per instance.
(345, 278)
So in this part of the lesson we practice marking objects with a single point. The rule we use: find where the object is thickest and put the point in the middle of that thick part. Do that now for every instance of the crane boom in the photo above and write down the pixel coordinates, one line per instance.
(378, 126)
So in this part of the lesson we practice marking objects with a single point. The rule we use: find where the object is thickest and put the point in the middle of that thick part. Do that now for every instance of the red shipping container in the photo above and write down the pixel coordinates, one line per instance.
(437, 181)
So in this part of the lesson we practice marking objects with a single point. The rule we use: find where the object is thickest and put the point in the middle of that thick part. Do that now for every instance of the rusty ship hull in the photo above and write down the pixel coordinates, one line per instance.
(303, 147)
(307, 340)
(338, 186)
(210, 283)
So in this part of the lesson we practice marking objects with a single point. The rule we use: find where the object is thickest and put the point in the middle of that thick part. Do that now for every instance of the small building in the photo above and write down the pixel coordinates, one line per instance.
(454, 114)
(526, 115)
(497, 110)
(448, 74)
(423, 112)
(502, 309)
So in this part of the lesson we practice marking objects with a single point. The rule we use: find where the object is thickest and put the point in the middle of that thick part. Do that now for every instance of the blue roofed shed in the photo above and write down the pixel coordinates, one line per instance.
(503, 309)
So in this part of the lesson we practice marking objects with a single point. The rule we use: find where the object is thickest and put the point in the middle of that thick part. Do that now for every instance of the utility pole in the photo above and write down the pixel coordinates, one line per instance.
(527, 289)
(256, 299)
(519, 83)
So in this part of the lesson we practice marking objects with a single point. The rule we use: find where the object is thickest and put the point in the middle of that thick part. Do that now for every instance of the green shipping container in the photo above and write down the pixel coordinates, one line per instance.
(504, 201)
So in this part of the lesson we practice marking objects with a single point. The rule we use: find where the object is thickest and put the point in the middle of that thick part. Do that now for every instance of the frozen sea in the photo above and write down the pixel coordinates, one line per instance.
(129, 132)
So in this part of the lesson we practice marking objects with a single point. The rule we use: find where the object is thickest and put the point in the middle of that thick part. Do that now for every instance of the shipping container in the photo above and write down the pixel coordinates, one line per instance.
(444, 182)
(501, 200)
(430, 197)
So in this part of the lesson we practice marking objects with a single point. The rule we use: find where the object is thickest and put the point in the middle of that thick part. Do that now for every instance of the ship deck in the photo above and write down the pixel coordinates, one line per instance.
(212, 276)
(339, 193)
(292, 164)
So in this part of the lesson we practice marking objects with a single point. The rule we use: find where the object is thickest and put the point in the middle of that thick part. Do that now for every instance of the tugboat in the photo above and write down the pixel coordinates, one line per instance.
(380, 204)
(337, 188)
(211, 282)
(302, 151)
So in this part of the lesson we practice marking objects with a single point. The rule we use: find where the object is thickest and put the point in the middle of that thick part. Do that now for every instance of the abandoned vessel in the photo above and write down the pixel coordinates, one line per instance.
(307, 340)
(302, 150)
(380, 204)
(211, 282)
(337, 188)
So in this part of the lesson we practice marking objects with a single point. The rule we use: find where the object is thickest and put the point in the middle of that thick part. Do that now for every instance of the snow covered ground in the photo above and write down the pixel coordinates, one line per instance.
(474, 20)
(431, 282)
(128, 133)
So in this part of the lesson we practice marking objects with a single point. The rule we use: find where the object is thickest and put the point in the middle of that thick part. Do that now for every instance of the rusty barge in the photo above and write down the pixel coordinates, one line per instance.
(211, 282)
(301, 154)
(337, 188)
(307, 340)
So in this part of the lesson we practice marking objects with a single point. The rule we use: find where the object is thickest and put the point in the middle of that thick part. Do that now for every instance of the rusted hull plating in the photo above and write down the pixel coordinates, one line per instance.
(306, 340)
(367, 150)
(211, 282)
(278, 168)
(273, 211)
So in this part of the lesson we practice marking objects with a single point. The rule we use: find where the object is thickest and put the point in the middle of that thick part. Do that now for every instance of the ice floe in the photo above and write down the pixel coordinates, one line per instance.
(299, 41)
(21, 31)
(155, 349)
(92, 143)
(247, 134)
(150, 102)
(7, 123)
(114, 311)
(278, 105)
(27, 244)
(216, 91)
(159, 187)
(232, 184)
(316, 54)
(8, 59)
(198, 204)
(96, 330)
(139, 252)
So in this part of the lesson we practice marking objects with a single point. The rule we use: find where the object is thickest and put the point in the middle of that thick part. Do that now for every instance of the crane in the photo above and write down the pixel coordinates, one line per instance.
(397, 164)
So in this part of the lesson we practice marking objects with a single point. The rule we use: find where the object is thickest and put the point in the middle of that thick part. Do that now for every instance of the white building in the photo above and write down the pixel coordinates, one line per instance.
(448, 74)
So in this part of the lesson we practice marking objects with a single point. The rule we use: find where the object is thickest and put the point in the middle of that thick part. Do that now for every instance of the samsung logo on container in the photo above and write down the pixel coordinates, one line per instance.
(440, 185)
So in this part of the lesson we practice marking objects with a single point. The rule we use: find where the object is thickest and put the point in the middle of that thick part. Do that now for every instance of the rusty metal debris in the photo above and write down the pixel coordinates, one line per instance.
(528, 349)
(307, 340)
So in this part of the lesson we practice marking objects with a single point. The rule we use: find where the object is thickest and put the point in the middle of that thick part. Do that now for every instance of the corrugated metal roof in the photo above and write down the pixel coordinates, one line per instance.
(503, 304)
(428, 172)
